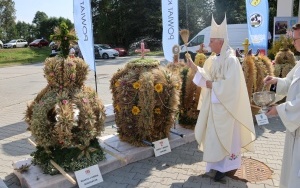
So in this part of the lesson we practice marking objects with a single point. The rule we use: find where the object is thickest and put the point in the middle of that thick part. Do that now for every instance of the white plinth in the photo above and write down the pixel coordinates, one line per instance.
(118, 154)
(109, 111)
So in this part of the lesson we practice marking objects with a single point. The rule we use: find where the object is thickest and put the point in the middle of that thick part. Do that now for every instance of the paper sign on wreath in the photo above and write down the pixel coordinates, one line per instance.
(89, 176)
(261, 119)
(161, 147)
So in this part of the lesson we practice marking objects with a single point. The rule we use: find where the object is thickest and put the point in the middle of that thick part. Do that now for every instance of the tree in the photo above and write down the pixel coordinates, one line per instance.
(47, 26)
(123, 22)
(195, 15)
(23, 30)
(7, 20)
(128, 21)
(37, 20)
(235, 11)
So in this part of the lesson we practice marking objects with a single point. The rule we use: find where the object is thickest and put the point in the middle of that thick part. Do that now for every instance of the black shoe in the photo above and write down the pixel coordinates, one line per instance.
(219, 176)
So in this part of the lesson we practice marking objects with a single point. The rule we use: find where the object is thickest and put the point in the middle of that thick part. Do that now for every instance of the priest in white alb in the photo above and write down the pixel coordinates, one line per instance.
(289, 113)
(225, 126)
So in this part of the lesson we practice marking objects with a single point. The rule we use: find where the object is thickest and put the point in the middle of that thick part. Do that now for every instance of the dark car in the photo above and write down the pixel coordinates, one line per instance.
(122, 51)
(39, 43)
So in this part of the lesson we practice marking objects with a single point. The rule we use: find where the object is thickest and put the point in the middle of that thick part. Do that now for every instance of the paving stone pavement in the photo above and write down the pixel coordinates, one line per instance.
(182, 167)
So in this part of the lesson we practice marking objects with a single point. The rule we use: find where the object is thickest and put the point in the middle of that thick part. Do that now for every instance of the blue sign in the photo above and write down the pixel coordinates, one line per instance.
(258, 24)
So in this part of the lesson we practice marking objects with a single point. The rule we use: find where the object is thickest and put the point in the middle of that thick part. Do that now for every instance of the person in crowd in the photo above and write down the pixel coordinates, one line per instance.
(225, 126)
(289, 113)
(269, 40)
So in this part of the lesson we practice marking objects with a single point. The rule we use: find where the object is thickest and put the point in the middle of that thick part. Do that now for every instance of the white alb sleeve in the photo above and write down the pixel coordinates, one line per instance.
(199, 80)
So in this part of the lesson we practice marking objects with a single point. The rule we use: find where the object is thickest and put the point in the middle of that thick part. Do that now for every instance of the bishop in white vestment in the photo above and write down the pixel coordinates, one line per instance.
(225, 126)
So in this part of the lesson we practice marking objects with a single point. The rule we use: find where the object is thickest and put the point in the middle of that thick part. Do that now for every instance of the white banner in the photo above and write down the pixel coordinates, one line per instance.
(170, 27)
(84, 30)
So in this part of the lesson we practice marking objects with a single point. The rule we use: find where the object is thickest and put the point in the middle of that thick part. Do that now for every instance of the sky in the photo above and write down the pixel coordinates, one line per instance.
(26, 9)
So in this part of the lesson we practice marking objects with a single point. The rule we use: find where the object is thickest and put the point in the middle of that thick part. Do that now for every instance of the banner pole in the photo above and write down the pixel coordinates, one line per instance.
(96, 80)
(95, 72)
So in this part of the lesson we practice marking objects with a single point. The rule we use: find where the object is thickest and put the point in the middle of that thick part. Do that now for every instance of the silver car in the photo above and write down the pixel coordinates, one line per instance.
(16, 43)
(105, 51)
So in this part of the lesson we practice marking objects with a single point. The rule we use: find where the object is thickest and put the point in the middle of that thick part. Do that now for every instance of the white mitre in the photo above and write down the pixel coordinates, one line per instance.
(220, 31)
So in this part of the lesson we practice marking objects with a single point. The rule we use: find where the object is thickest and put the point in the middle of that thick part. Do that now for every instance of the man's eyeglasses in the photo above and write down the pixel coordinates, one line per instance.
(295, 39)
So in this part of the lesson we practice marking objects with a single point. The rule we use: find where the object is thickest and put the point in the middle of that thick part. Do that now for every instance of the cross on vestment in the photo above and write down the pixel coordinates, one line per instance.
(142, 50)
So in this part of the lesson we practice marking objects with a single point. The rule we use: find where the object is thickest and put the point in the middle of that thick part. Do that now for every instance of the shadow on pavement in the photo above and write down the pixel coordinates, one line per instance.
(275, 125)
(183, 167)
(12, 130)
(205, 181)
(18, 147)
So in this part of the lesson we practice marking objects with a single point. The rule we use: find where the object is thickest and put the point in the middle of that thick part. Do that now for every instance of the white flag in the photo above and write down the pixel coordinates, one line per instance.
(170, 27)
(84, 30)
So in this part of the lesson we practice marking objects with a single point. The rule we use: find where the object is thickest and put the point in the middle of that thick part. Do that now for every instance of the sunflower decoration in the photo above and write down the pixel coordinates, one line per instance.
(200, 56)
(66, 116)
(157, 111)
(146, 102)
(159, 88)
(117, 83)
(117, 108)
(136, 85)
(135, 110)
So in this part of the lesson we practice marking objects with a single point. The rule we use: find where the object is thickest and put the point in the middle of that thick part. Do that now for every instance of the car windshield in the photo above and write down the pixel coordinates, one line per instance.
(12, 41)
(37, 40)
(105, 47)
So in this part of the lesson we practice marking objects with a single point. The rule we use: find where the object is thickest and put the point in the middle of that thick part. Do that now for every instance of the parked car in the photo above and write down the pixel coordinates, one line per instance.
(1, 44)
(105, 51)
(122, 51)
(16, 43)
(39, 43)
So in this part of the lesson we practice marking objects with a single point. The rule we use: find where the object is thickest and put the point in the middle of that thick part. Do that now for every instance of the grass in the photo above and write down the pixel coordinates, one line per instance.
(152, 53)
(23, 56)
(155, 53)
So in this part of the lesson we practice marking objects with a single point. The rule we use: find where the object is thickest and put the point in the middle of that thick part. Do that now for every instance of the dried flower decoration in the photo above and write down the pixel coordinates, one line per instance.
(136, 85)
(117, 84)
(135, 110)
(117, 107)
(85, 100)
(65, 101)
(158, 88)
(23, 168)
(157, 111)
